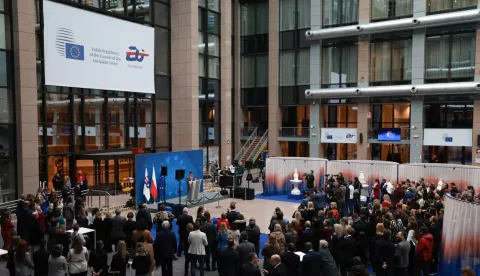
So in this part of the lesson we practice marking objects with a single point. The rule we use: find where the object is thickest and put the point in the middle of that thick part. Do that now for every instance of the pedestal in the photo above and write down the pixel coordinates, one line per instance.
(295, 190)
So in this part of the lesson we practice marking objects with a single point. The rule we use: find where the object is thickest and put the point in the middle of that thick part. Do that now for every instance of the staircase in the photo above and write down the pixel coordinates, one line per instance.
(250, 149)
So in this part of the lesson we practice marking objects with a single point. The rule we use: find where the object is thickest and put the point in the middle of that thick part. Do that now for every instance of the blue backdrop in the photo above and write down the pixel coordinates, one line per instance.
(190, 161)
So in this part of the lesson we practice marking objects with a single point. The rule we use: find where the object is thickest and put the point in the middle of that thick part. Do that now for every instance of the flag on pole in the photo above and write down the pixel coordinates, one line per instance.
(146, 187)
(161, 186)
(153, 186)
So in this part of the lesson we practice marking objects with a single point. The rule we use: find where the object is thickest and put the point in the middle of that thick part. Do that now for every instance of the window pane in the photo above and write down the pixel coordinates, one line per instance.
(201, 66)
(443, 5)
(303, 67)
(330, 12)
(7, 164)
(262, 71)
(402, 60)
(349, 11)
(287, 68)
(287, 15)
(403, 7)
(57, 109)
(248, 72)
(459, 4)
(304, 14)
(162, 137)
(144, 110)
(331, 65)
(213, 45)
(339, 65)
(6, 106)
(162, 87)
(261, 22)
(162, 14)
(4, 65)
(436, 57)
(463, 56)
(349, 64)
(213, 68)
(214, 5)
(213, 90)
(116, 136)
(162, 51)
(201, 43)
(5, 36)
(202, 3)
(213, 23)
(380, 61)
(384, 8)
(58, 138)
(248, 19)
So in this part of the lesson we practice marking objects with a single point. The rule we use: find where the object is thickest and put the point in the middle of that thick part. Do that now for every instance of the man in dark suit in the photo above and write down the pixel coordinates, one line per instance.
(144, 217)
(245, 248)
(211, 231)
(291, 260)
(306, 236)
(311, 262)
(165, 246)
(40, 260)
(279, 269)
(348, 248)
(182, 222)
(251, 268)
(229, 261)
(232, 214)
(310, 180)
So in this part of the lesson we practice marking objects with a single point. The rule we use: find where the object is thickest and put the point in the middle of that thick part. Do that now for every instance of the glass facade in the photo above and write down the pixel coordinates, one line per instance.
(450, 54)
(209, 78)
(439, 6)
(254, 54)
(391, 61)
(391, 9)
(294, 75)
(8, 171)
(339, 65)
(75, 123)
(339, 12)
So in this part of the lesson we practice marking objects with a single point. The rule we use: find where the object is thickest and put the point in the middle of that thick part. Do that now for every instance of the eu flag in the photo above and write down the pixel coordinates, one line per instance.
(74, 51)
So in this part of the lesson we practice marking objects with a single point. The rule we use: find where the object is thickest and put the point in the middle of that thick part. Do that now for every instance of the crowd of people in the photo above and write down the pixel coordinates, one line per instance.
(396, 232)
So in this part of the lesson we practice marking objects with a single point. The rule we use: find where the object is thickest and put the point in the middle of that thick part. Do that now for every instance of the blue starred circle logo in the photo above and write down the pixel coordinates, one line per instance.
(75, 51)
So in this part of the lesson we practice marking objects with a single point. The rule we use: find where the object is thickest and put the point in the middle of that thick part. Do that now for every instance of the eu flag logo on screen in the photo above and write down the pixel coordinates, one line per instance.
(74, 51)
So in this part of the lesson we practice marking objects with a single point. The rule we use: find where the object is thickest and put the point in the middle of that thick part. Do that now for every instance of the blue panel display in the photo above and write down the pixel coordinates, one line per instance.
(389, 134)
(145, 164)
(449, 139)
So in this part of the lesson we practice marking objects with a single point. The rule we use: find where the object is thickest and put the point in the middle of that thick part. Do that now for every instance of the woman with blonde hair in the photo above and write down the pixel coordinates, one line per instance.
(61, 237)
(222, 237)
(120, 259)
(270, 248)
(77, 258)
(333, 207)
(278, 234)
(142, 261)
(310, 211)
(387, 202)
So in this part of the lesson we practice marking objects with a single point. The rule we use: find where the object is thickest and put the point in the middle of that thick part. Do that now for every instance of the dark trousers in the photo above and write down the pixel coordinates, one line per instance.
(213, 251)
(115, 241)
(193, 264)
(423, 266)
(400, 271)
(166, 264)
(181, 245)
(79, 274)
(344, 268)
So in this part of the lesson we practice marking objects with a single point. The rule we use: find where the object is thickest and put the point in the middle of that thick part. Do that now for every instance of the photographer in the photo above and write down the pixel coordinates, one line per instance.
(310, 179)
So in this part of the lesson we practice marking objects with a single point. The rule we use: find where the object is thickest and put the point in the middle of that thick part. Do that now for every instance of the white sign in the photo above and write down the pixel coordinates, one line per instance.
(339, 135)
(88, 50)
(454, 137)
(211, 133)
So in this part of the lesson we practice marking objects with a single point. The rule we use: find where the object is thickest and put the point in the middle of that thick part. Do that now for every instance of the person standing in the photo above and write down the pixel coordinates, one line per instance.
(311, 262)
(310, 178)
(68, 212)
(165, 246)
(57, 264)
(128, 228)
(182, 221)
(291, 260)
(244, 248)
(142, 261)
(40, 260)
(7, 228)
(144, 217)
(279, 269)
(229, 261)
(98, 260)
(424, 251)
(118, 221)
(197, 241)
(77, 258)
(384, 253)
(402, 251)
(211, 249)
(251, 268)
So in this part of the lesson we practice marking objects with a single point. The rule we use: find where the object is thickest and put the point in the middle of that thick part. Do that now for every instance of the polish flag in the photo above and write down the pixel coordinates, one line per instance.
(153, 186)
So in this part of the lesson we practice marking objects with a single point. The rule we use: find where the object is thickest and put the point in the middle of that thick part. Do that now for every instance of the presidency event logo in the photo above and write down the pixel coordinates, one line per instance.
(135, 54)
(66, 47)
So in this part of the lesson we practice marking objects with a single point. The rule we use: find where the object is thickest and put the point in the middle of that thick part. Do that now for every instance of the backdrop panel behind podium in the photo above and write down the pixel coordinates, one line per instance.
(181, 160)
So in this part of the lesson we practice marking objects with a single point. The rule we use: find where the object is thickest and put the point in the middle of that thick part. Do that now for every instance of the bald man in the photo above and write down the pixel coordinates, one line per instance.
(279, 269)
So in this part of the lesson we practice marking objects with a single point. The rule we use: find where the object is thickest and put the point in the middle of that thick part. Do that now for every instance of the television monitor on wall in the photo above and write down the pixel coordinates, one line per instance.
(389, 134)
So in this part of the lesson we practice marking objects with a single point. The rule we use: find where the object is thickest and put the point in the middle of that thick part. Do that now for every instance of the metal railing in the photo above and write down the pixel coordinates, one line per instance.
(303, 132)
(259, 147)
(11, 206)
(247, 144)
(98, 193)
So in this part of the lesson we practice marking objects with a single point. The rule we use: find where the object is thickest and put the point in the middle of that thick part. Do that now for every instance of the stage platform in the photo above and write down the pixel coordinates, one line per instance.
(204, 198)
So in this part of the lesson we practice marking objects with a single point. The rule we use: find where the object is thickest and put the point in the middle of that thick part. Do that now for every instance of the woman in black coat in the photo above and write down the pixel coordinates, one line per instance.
(61, 237)
(98, 259)
(108, 225)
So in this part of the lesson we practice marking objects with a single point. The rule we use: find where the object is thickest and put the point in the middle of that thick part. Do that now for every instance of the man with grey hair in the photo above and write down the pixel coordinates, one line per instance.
(165, 247)
(328, 265)
(182, 222)
(117, 227)
(279, 269)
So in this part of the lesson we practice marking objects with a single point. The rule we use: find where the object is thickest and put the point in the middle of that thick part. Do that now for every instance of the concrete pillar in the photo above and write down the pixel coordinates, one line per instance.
(364, 11)
(363, 68)
(418, 56)
(419, 8)
(185, 111)
(475, 130)
(24, 49)
(363, 151)
(274, 112)
(416, 134)
(316, 110)
(226, 81)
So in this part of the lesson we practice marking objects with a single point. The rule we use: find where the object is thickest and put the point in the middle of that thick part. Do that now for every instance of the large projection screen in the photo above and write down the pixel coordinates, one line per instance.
(88, 50)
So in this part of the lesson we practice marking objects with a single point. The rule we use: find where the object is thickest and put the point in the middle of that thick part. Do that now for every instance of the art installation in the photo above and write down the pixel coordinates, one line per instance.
(295, 182)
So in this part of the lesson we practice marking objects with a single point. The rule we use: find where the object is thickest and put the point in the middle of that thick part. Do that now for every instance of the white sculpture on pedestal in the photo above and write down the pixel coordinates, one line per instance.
(361, 178)
(295, 181)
